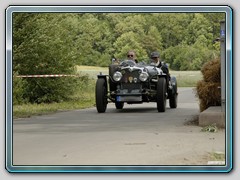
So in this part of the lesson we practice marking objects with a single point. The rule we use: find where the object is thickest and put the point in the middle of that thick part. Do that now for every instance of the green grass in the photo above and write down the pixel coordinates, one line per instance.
(217, 156)
(184, 78)
(85, 97)
(92, 71)
(187, 78)
(210, 128)
(27, 110)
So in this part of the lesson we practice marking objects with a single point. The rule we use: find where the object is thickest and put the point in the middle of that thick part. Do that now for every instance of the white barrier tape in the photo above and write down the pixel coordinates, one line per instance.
(47, 75)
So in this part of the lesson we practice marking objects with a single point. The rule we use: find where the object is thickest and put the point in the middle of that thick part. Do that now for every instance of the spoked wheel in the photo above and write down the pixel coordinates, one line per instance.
(119, 105)
(101, 95)
(161, 94)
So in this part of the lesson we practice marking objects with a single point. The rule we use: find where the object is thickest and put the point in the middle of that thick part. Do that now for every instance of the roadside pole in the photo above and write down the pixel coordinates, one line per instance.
(223, 64)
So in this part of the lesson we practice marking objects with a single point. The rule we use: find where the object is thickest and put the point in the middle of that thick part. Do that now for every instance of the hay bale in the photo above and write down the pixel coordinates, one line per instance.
(209, 94)
(209, 89)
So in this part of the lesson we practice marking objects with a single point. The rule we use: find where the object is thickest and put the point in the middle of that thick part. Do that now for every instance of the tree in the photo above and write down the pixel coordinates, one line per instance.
(214, 19)
(128, 41)
(199, 26)
(172, 27)
(152, 41)
(43, 45)
(132, 23)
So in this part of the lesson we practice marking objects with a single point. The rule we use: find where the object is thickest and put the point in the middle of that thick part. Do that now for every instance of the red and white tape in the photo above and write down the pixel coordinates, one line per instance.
(46, 75)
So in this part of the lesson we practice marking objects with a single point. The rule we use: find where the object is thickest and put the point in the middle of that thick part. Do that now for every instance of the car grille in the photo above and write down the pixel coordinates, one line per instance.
(128, 77)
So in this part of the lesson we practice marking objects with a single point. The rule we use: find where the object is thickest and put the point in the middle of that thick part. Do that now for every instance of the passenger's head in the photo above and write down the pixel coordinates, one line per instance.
(155, 58)
(131, 55)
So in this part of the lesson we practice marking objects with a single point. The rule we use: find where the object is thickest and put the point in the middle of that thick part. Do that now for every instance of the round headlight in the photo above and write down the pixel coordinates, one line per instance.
(117, 76)
(143, 76)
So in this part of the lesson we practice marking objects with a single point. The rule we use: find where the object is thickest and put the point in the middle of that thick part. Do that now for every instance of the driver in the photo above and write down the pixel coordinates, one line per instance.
(131, 55)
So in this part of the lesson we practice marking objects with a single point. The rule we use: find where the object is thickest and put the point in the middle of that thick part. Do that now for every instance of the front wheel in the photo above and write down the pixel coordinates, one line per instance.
(101, 95)
(161, 94)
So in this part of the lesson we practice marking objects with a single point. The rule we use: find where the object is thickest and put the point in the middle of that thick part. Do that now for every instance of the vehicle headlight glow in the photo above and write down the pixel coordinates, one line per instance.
(143, 76)
(117, 76)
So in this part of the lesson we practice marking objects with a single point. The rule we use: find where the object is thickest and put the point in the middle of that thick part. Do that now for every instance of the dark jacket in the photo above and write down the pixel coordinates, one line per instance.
(164, 67)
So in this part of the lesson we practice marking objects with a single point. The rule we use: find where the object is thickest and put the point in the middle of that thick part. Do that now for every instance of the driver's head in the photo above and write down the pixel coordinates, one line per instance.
(155, 58)
(131, 55)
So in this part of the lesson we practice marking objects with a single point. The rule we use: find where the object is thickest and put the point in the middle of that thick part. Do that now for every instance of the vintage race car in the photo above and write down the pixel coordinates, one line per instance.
(132, 83)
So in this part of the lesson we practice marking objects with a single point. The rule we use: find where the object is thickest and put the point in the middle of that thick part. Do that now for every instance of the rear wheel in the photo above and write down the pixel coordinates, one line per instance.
(119, 105)
(161, 94)
(174, 96)
(101, 95)
(173, 101)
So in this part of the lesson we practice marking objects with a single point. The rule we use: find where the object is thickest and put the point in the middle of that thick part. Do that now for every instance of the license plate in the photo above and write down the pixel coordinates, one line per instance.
(118, 98)
(129, 98)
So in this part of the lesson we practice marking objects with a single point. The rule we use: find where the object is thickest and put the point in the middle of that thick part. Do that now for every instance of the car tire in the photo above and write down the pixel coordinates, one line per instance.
(174, 96)
(112, 84)
(119, 105)
(173, 101)
(101, 95)
(161, 94)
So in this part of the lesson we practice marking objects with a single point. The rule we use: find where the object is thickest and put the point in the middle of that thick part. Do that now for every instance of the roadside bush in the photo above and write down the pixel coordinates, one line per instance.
(84, 89)
(18, 90)
(49, 90)
(212, 71)
(208, 89)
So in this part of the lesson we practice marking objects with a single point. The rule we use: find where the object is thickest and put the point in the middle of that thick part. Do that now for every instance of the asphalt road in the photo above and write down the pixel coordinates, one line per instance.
(136, 135)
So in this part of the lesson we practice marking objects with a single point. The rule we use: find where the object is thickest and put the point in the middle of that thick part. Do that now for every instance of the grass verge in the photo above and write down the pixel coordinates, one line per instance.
(27, 110)
(83, 98)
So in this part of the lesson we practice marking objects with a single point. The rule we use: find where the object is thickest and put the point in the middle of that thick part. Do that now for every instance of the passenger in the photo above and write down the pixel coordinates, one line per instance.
(155, 58)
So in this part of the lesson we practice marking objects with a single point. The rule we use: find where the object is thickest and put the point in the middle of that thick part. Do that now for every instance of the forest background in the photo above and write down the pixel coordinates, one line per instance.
(57, 43)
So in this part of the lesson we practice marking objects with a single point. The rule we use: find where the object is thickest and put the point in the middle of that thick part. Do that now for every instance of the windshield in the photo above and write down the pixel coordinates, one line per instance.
(128, 63)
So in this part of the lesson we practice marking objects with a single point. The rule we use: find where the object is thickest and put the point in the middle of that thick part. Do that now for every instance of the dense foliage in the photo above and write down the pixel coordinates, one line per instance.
(53, 43)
